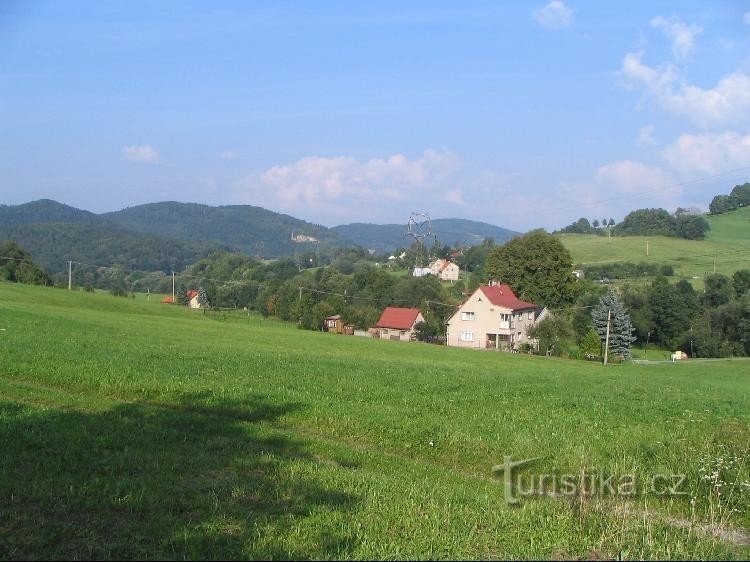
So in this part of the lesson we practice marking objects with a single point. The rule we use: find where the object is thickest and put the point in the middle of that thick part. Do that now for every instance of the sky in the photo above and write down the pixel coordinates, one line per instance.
(520, 114)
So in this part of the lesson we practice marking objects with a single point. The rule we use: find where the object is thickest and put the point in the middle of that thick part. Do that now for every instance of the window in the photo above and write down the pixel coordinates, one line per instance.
(531, 315)
(467, 316)
(467, 336)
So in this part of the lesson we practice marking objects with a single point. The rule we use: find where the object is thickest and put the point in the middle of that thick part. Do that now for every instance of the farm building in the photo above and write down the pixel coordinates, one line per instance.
(493, 317)
(192, 299)
(398, 323)
(335, 325)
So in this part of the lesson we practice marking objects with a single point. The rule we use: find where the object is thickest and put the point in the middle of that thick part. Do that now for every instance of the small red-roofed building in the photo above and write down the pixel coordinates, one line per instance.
(493, 317)
(398, 323)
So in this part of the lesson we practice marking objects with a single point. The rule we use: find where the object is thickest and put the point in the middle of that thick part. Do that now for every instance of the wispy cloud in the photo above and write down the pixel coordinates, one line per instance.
(141, 153)
(708, 153)
(554, 15)
(679, 33)
(344, 188)
(228, 155)
(727, 102)
(646, 136)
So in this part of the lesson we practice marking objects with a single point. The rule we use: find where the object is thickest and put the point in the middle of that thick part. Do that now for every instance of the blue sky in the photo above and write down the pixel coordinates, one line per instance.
(520, 114)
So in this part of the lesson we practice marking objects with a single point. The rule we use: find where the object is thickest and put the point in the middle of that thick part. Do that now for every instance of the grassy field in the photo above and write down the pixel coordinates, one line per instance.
(130, 429)
(727, 243)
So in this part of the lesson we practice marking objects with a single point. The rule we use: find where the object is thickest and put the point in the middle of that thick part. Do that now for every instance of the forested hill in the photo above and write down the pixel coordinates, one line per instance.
(45, 211)
(388, 237)
(250, 229)
(52, 244)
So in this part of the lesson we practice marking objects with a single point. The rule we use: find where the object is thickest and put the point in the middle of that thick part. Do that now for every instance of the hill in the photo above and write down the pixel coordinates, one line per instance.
(726, 245)
(388, 237)
(138, 430)
(246, 228)
(99, 243)
(45, 210)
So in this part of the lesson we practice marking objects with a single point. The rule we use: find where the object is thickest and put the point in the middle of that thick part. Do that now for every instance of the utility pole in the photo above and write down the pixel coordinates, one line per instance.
(148, 294)
(70, 275)
(714, 264)
(606, 341)
(173, 288)
(647, 247)
(299, 302)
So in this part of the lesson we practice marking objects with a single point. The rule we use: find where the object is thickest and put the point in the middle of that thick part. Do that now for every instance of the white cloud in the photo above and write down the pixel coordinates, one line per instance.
(554, 15)
(708, 153)
(681, 34)
(141, 153)
(728, 101)
(627, 177)
(646, 136)
(344, 188)
(455, 196)
(228, 155)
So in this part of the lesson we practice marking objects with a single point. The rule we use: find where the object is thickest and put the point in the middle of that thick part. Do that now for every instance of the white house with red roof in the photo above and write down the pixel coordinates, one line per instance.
(398, 323)
(445, 270)
(493, 317)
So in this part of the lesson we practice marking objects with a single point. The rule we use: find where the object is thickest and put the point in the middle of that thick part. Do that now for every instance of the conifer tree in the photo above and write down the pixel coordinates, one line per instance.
(202, 298)
(620, 327)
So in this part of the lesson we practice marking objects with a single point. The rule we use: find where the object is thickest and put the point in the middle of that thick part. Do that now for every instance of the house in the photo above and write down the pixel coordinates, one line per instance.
(398, 323)
(445, 270)
(191, 296)
(579, 274)
(493, 317)
(421, 271)
(333, 324)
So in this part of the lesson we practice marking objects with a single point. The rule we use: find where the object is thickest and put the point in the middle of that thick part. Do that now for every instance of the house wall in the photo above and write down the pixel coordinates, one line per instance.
(487, 320)
(400, 335)
(450, 273)
(194, 302)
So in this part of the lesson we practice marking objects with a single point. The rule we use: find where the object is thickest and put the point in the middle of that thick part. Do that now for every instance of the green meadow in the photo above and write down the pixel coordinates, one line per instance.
(130, 429)
(727, 244)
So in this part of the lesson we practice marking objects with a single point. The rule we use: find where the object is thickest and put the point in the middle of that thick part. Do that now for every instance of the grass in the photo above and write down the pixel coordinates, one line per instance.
(131, 430)
(726, 243)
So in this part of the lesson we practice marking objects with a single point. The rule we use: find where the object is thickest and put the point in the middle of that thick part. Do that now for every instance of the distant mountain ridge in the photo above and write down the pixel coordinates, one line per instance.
(168, 236)
(249, 229)
(388, 237)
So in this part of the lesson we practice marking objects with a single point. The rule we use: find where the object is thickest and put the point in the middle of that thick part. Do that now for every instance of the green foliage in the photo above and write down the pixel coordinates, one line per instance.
(717, 290)
(554, 335)
(181, 294)
(581, 226)
(17, 266)
(741, 282)
(647, 222)
(672, 309)
(590, 346)
(721, 204)
(621, 329)
(691, 227)
(202, 297)
(740, 195)
(538, 268)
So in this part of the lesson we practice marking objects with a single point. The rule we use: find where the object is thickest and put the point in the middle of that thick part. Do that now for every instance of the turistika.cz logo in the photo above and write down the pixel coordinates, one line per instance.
(518, 483)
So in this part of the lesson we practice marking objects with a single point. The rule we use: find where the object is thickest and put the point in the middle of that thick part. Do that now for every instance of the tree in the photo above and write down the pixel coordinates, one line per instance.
(721, 204)
(620, 327)
(692, 227)
(611, 222)
(16, 265)
(741, 281)
(202, 298)
(538, 268)
(552, 333)
(595, 224)
(181, 295)
(648, 222)
(672, 309)
(717, 290)
(740, 195)
(590, 346)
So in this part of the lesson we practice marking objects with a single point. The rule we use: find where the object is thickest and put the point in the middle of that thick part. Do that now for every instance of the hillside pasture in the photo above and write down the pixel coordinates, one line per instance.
(135, 430)
(726, 244)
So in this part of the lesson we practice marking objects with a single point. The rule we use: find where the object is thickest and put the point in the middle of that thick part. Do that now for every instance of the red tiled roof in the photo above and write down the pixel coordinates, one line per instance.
(189, 294)
(398, 318)
(503, 295)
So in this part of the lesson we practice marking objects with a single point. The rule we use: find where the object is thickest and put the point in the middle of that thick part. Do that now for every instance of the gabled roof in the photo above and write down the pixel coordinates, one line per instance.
(398, 318)
(503, 295)
(334, 317)
(190, 293)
